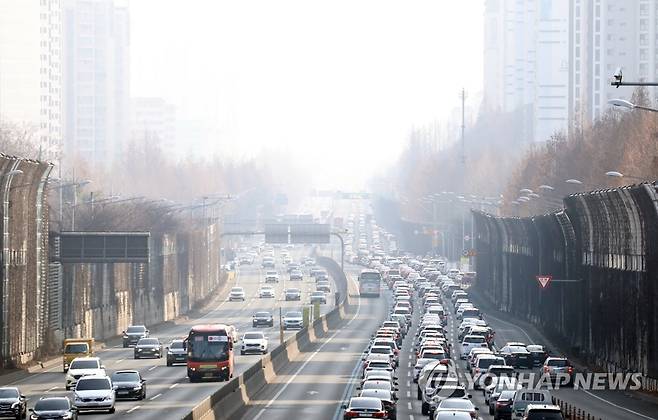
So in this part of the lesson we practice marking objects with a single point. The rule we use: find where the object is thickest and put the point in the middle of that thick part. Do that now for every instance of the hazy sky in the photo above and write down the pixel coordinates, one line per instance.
(337, 84)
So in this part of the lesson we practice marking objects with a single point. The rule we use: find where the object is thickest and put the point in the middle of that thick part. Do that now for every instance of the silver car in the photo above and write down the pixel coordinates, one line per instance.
(94, 393)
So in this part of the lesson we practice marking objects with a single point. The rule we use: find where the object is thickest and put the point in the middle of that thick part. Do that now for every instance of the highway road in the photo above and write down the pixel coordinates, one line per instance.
(169, 393)
(314, 385)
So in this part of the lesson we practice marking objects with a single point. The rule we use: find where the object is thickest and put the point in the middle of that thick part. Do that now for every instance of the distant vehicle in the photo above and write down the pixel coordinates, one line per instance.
(268, 262)
(236, 293)
(271, 277)
(83, 366)
(12, 403)
(129, 384)
(293, 294)
(209, 352)
(176, 352)
(76, 347)
(244, 260)
(318, 297)
(54, 408)
(525, 397)
(542, 412)
(370, 283)
(266, 292)
(94, 393)
(133, 334)
(293, 320)
(538, 353)
(148, 347)
(558, 368)
(254, 342)
(296, 275)
(262, 318)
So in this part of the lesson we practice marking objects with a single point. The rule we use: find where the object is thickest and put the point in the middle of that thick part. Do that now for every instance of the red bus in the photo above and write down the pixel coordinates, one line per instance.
(209, 352)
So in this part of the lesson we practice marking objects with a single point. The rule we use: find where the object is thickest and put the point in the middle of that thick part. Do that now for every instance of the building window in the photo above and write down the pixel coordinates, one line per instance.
(643, 39)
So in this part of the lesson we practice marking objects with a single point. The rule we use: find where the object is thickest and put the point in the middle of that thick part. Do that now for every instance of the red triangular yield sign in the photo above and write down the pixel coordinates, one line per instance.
(544, 280)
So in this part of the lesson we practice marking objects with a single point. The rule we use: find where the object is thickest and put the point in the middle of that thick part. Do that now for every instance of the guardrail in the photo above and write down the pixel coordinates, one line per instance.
(236, 394)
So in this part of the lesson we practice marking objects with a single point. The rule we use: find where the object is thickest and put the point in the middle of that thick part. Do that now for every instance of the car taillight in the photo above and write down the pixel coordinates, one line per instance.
(570, 370)
(351, 414)
(379, 414)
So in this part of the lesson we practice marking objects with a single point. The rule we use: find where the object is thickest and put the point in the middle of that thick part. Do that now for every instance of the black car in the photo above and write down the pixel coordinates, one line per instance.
(262, 318)
(54, 408)
(12, 403)
(133, 334)
(129, 384)
(148, 347)
(502, 408)
(364, 407)
(538, 353)
(517, 356)
(176, 352)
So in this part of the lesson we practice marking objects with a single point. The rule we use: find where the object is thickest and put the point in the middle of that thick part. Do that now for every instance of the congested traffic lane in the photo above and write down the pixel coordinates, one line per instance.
(314, 385)
(409, 407)
(168, 389)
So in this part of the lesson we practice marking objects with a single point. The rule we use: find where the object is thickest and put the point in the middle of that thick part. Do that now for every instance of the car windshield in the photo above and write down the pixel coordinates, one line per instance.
(380, 350)
(535, 348)
(136, 330)
(293, 290)
(208, 348)
(294, 315)
(263, 314)
(125, 377)
(253, 336)
(176, 345)
(544, 415)
(507, 395)
(456, 403)
(485, 363)
(52, 404)
(237, 289)
(148, 342)
(558, 363)
(84, 364)
(91, 384)
(76, 348)
(376, 393)
(517, 349)
(370, 403)
(9, 393)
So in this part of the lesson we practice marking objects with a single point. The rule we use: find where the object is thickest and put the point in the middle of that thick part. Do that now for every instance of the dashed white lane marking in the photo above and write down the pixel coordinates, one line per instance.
(173, 385)
(152, 367)
(134, 408)
(155, 397)
(409, 364)
(120, 360)
(409, 405)
(408, 394)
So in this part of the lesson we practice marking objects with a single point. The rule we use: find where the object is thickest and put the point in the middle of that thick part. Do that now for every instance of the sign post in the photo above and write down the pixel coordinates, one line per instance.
(544, 280)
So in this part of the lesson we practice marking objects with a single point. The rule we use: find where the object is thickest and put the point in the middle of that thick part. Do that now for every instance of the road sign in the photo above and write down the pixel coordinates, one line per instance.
(309, 233)
(277, 234)
(544, 280)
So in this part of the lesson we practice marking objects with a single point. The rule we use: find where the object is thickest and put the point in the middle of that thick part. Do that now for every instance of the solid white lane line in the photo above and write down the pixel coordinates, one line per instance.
(618, 406)
(133, 409)
(52, 389)
(155, 397)
(293, 377)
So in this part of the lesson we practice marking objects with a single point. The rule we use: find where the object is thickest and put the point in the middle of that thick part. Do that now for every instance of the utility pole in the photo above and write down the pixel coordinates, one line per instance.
(463, 126)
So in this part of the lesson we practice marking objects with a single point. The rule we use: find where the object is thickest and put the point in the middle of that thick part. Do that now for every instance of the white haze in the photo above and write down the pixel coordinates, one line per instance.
(337, 85)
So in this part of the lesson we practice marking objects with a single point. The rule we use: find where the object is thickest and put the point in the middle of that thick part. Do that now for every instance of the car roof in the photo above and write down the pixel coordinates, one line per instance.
(126, 371)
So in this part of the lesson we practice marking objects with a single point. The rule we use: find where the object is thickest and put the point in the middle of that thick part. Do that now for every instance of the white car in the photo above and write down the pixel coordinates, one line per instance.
(266, 292)
(94, 393)
(83, 366)
(254, 342)
(293, 319)
(271, 277)
(470, 342)
(237, 293)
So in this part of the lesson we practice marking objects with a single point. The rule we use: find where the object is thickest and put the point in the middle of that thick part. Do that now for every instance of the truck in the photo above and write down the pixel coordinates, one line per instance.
(76, 347)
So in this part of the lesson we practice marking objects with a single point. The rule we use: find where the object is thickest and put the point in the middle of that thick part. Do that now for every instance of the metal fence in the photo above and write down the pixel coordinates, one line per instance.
(602, 253)
(24, 268)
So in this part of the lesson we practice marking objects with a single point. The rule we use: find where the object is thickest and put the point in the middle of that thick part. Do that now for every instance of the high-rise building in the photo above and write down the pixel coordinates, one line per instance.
(153, 119)
(30, 71)
(96, 80)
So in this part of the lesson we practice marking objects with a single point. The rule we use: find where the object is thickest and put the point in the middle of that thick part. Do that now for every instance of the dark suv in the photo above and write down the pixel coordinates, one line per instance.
(262, 318)
(176, 352)
(133, 334)
(54, 408)
(12, 403)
